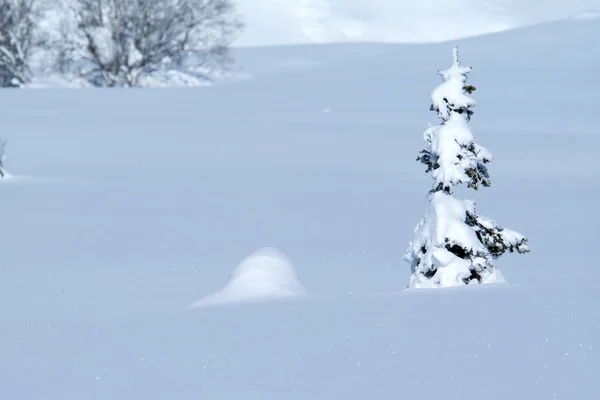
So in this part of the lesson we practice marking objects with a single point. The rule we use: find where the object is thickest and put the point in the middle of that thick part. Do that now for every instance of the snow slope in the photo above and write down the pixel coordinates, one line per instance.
(274, 22)
(126, 206)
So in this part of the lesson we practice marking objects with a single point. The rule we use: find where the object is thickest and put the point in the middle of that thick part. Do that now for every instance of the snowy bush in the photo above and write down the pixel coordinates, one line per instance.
(18, 21)
(122, 42)
(453, 245)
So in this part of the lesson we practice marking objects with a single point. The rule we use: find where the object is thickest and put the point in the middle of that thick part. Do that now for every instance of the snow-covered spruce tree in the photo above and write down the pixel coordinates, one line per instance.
(453, 245)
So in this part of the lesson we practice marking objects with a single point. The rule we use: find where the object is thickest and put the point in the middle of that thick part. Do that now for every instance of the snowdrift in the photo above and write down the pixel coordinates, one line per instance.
(267, 274)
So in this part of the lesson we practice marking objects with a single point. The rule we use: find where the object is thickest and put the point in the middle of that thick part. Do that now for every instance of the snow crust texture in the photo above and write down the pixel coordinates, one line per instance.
(265, 274)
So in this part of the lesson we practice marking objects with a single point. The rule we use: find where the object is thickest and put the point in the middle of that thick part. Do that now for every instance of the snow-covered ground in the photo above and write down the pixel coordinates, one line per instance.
(276, 22)
(127, 206)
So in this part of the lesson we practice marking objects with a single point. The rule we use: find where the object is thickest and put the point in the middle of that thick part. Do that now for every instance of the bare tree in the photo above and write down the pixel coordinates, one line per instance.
(119, 41)
(17, 39)
(2, 148)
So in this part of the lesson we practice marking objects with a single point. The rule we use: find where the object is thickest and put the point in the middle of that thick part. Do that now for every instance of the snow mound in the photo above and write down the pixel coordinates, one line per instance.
(264, 275)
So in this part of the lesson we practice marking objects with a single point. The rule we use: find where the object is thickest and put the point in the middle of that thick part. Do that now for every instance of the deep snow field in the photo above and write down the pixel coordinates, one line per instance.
(127, 206)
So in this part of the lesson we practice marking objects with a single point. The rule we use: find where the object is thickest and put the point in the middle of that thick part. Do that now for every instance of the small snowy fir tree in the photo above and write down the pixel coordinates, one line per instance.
(453, 245)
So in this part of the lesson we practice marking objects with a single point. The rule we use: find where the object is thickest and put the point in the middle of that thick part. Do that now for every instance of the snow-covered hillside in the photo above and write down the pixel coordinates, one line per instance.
(127, 206)
(322, 21)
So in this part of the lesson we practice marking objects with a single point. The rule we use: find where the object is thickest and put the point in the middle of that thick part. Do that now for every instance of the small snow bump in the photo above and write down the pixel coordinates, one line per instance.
(265, 274)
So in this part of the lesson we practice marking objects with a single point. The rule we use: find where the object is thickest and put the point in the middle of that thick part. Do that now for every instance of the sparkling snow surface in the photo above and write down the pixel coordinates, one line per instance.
(126, 206)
